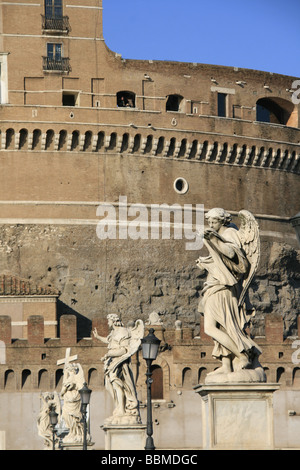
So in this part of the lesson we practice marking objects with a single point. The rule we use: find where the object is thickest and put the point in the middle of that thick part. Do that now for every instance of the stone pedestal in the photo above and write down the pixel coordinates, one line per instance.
(237, 416)
(124, 437)
(70, 446)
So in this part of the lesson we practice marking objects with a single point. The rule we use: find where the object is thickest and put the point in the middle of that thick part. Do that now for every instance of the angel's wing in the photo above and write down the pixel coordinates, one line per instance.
(249, 235)
(137, 333)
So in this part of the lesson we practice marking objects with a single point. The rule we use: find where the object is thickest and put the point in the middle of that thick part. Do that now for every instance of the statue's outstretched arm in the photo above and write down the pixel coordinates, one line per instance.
(101, 338)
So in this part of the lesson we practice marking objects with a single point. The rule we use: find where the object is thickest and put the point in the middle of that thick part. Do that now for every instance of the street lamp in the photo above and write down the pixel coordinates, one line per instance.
(85, 395)
(53, 422)
(150, 345)
(295, 221)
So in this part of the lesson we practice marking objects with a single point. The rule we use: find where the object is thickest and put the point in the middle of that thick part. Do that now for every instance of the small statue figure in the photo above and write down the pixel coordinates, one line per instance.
(71, 411)
(122, 343)
(49, 400)
(154, 319)
(232, 262)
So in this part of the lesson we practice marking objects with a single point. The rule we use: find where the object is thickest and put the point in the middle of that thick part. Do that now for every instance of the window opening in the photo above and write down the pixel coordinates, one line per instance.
(173, 103)
(276, 110)
(53, 8)
(69, 99)
(157, 385)
(54, 51)
(125, 99)
(222, 111)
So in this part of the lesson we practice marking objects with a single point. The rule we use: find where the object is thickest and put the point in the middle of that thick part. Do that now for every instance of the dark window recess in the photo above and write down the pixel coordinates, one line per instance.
(157, 385)
(222, 112)
(173, 103)
(262, 114)
(69, 99)
(125, 99)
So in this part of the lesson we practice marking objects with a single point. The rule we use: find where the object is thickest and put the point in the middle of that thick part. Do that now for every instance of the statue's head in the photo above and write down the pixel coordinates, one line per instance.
(219, 214)
(113, 319)
(72, 368)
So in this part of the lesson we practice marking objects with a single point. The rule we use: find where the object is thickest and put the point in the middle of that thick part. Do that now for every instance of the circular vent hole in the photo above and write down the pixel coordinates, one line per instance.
(181, 185)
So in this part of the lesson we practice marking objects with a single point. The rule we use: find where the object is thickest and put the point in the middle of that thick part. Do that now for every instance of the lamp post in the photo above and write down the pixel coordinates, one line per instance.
(295, 221)
(150, 345)
(85, 395)
(53, 422)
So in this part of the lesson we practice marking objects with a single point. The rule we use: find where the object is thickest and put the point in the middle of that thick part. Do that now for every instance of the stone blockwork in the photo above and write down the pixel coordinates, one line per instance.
(135, 277)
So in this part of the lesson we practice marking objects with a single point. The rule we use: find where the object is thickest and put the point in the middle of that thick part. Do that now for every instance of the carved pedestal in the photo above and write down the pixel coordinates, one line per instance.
(124, 437)
(237, 416)
(76, 446)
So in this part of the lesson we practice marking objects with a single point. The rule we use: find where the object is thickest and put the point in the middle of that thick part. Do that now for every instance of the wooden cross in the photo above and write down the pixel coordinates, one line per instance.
(66, 361)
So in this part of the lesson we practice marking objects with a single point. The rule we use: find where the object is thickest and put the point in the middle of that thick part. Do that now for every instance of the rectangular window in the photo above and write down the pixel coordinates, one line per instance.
(54, 51)
(69, 98)
(54, 60)
(53, 9)
(222, 102)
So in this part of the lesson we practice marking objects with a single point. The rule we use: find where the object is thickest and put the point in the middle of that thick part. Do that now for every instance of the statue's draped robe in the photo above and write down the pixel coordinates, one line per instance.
(118, 373)
(220, 295)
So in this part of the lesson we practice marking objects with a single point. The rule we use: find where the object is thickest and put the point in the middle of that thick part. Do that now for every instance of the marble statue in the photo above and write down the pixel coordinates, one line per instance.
(49, 400)
(73, 381)
(154, 319)
(122, 342)
(231, 264)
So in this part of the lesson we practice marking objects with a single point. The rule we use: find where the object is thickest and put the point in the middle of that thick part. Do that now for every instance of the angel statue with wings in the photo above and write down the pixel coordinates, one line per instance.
(122, 343)
(231, 264)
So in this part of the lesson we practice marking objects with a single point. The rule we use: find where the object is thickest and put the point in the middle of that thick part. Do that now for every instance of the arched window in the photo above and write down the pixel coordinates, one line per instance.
(26, 379)
(100, 141)
(10, 135)
(93, 378)
(201, 374)
(187, 377)
(88, 141)
(137, 143)
(126, 99)
(49, 139)
(43, 380)
(174, 103)
(280, 374)
(9, 380)
(59, 378)
(63, 136)
(275, 110)
(23, 138)
(296, 377)
(157, 385)
(75, 140)
(36, 140)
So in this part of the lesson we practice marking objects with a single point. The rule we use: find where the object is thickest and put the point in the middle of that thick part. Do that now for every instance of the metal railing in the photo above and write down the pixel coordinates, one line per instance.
(58, 65)
(56, 24)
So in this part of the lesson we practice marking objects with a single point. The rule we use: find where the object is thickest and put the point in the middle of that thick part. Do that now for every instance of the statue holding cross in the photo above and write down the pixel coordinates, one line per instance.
(67, 359)
(73, 380)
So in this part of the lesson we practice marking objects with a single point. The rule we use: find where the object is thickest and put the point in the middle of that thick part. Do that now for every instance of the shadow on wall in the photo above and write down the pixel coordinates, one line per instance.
(84, 324)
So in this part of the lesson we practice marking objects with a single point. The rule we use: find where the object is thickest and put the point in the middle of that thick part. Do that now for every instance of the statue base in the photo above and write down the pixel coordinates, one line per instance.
(75, 446)
(237, 416)
(124, 437)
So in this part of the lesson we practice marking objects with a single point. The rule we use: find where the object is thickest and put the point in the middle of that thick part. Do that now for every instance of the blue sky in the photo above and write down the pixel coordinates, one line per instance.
(254, 34)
